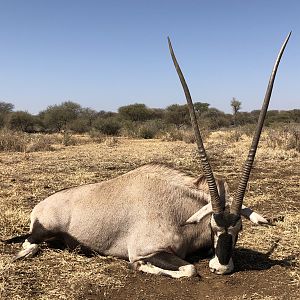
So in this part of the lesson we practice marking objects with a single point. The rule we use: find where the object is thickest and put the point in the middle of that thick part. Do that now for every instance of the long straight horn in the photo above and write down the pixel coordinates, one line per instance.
(215, 199)
(239, 196)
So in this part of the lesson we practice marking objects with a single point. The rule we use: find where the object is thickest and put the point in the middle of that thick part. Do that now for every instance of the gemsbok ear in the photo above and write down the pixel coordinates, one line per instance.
(200, 214)
(254, 217)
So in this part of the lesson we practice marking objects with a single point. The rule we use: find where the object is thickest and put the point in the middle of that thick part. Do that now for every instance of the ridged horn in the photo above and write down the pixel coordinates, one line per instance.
(239, 196)
(215, 199)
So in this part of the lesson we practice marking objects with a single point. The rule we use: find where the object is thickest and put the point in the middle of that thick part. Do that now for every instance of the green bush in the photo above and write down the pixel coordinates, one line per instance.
(147, 132)
(5, 110)
(22, 121)
(79, 125)
(137, 112)
(59, 117)
(177, 115)
(108, 126)
(215, 119)
(150, 129)
(129, 129)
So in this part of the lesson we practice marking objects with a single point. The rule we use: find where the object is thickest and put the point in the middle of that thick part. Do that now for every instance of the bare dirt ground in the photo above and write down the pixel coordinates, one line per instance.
(267, 259)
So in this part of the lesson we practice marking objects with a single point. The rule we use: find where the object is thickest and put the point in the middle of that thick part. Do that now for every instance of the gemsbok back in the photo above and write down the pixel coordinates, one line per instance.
(154, 216)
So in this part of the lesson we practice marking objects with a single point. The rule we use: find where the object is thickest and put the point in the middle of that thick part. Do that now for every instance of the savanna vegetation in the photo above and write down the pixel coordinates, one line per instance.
(23, 131)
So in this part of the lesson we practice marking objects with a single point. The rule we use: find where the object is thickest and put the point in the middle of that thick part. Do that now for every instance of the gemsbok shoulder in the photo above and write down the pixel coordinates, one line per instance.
(153, 216)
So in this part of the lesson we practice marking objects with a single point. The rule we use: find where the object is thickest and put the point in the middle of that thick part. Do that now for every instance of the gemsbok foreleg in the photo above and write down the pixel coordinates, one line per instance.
(164, 263)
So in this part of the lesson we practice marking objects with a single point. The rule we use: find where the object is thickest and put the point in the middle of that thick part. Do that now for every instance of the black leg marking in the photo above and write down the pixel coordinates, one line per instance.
(167, 261)
(168, 264)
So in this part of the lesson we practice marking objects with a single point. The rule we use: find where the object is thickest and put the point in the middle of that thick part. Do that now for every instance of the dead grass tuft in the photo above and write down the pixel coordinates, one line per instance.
(111, 141)
(184, 135)
(285, 138)
(11, 141)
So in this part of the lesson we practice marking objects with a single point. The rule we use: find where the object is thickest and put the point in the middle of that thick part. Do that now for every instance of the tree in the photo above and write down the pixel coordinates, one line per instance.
(59, 117)
(84, 120)
(236, 106)
(295, 115)
(243, 118)
(178, 115)
(106, 114)
(136, 112)
(21, 120)
(109, 126)
(89, 115)
(5, 109)
(201, 107)
(215, 119)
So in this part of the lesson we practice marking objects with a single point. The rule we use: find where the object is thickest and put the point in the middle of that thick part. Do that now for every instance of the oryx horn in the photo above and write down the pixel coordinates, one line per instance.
(215, 199)
(239, 196)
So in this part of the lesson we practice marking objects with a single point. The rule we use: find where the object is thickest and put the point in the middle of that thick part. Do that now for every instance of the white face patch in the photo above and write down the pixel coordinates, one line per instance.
(217, 230)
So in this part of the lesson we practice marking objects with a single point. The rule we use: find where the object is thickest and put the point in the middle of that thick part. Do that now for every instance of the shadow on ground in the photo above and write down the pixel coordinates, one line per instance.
(250, 260)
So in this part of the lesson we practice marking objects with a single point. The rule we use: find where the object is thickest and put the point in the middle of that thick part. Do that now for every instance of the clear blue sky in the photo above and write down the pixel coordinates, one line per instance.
(105, 54)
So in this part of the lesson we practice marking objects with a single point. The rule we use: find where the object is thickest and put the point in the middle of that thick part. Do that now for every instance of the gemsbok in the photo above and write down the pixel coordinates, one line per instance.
(154, 216)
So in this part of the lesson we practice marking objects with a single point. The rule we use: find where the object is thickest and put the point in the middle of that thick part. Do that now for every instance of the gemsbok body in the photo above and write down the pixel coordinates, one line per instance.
(153, 216)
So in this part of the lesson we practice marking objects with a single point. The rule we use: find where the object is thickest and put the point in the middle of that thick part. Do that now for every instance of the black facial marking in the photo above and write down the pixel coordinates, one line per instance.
(212, 237)
(226, 220)
(224, 248)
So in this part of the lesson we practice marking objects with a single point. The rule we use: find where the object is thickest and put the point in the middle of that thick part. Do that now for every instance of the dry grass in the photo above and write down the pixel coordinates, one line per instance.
(185, 135)
(55, 274)
(14, 141)
(284, 136)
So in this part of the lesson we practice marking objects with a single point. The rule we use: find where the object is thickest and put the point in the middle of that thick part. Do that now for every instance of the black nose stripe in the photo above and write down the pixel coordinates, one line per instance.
(226, 220)
(224, 248)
